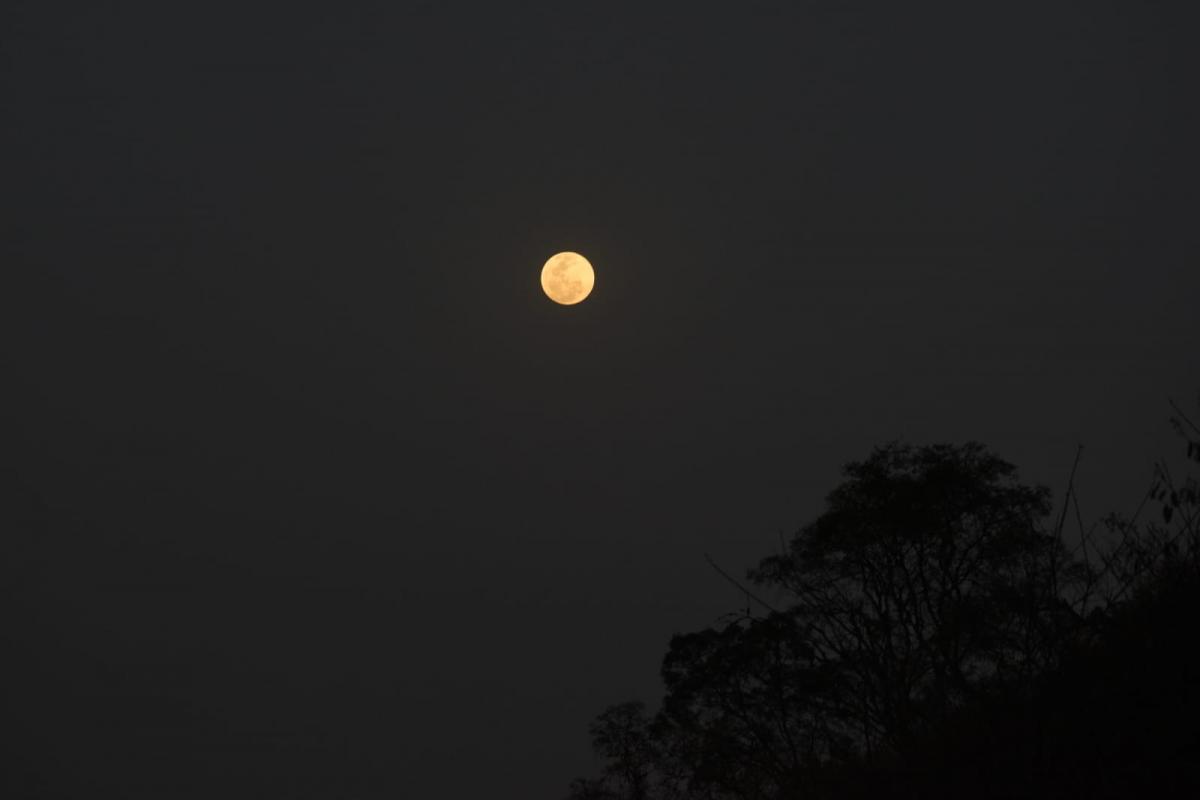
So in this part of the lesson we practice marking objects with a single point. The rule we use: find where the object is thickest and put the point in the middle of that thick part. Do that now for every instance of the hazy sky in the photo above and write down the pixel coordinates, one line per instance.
(312, 493)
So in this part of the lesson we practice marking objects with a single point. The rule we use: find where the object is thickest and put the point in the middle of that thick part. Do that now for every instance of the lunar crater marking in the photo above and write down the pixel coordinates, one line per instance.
(567, 278)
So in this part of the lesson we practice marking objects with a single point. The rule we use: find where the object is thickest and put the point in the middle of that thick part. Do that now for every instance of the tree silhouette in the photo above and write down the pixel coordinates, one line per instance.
(930, 635)
(928, 578)
(749, 711)
(928, 581)
(621, 734)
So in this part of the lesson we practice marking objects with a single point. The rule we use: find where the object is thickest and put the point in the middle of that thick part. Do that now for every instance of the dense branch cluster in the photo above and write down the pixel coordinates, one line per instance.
(935, 596)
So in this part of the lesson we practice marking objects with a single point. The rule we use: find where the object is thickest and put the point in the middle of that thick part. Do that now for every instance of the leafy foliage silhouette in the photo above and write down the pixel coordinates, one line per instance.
(930, 634)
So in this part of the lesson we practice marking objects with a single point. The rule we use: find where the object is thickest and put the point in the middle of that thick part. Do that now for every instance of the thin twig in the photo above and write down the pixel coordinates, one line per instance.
(740, 587)
(1062, 518)
(1184, 416)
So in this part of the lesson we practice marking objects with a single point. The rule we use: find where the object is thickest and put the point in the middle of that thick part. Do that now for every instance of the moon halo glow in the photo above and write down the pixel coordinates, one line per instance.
(568, 278)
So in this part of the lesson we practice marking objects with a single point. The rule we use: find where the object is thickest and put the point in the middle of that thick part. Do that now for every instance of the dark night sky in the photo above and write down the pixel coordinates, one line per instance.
(312, 493)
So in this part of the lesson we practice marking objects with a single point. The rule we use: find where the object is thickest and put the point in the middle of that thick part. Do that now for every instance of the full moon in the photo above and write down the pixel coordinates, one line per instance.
(568, 278)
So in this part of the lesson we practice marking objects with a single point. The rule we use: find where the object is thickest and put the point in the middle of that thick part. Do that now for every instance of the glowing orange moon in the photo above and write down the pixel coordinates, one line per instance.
(568, 278)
